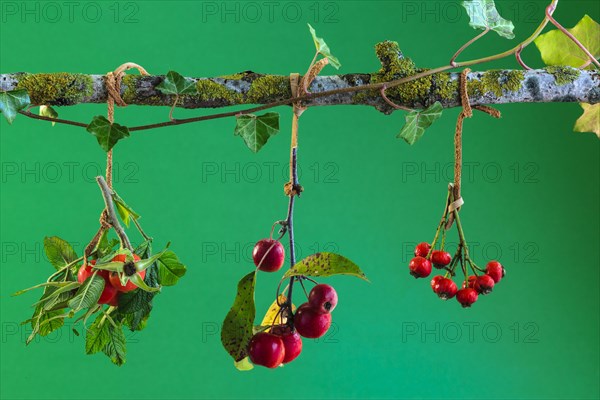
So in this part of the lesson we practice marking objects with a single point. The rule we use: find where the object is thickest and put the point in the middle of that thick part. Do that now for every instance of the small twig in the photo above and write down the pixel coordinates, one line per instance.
(464, 47)
(110, 209)
(391, 103)
(519, 59)
(173, 107)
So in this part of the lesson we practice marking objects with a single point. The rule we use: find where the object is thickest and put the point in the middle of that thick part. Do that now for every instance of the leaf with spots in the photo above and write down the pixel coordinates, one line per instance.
(325, 264)
(273, 312)
(238, 324)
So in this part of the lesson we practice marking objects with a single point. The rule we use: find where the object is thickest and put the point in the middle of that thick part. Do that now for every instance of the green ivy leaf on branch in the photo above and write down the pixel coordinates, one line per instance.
(558, 49)
(238, 324)
(176, 84)
(47, 111)
(256, 131)
(418, 121)
(484, 15)
(590, 120)
(59, 252)
(12, 102)
(107, 134)
(325, 264)
(323, 49)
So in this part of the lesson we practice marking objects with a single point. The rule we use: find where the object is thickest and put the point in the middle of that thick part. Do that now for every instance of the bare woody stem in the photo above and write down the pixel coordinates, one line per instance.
(110, 209)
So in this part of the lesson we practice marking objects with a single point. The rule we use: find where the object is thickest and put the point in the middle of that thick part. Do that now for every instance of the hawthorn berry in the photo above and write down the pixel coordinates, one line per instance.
(129, 269)
(495, 270)
(435, 280)
(310, 323)
(484, 284)
(292, 342)
(268, 255)
(466, 297)
(266, 349)
(323, 298)
(422, 249)
(420, 267)
(471, 282)
(440, 258)
(445, 288)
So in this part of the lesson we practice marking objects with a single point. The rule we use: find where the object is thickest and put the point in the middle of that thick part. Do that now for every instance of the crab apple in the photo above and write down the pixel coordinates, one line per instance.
(470, 283)
(435, 280)
(445, 288)
(484, 284)
(266, 349)
(440, 258)
(129, 269)
(323, 298)
(466, 297)
(292, 342)
(495, 270)
(420, 267)
(310, 323)
(422, 249)
(268, 255)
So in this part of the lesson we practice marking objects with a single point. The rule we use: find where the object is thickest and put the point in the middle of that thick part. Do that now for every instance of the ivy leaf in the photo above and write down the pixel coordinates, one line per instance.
(170, 269)
(59, 251)
(88, 293)
(418, 121)
(12, 102)
(125, 212)
(325, 264)
(557, 49)
(238, 324)
(47, 111)
(177, 84)
(590, 120)
(107, 134)
(484, 15)
(257, 130)
(323, 49)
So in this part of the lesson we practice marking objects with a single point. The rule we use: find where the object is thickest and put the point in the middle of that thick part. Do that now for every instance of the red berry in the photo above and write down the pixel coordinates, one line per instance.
(495, 270)
(484, 284)
(466, 297)
(310, 323)
(435, 280)
(422, 249)
(420, 267)
(109, 293)
(471, 284)
(440, 258)
(445, 288)
(268, 255)
(292, 342)
(323, 298)
(266, 349)
(128, 267)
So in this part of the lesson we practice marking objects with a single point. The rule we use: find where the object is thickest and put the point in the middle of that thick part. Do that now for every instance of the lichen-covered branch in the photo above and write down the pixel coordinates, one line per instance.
(554, 84)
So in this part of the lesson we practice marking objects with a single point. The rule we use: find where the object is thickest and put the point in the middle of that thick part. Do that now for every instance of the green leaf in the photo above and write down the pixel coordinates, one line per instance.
(239, 322)
(170, 269)
(257, 130)
(557, 49)
(12, 102)
(418, 121)
(323, 49)
(125, 212)
(136, 305)
(177, 84)
(47, 111)
(483, 15)
(105, 246)
(103, 336)
(59, 251)
(243, 365)
(88, 293)
(96, 337)
(325, 264)
(107, 134)
(116, 346)
(590, 120)
(139, 282)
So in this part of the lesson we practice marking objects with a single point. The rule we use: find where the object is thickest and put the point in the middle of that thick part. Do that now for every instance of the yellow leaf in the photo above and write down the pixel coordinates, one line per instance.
(272, 312)
(590, 120)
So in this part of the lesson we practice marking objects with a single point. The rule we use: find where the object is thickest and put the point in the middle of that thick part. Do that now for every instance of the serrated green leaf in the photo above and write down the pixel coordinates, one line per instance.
(239, 322)
(483, 15)
(88, 293)
(59, 252)
(12, 102)
(325, 264)
(46, 322)
(105, 246)
(47, 111)
(323, 48)
(256, 131)
(116, 348)
(590, 120)
(137, 305)
(176, 84)
(106, 133)
(170, 269)
(418, 121)
(96, 336)
(557, 49)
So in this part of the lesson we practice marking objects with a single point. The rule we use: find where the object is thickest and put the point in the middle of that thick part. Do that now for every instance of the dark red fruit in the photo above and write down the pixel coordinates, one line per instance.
(323, 298)
(466, 297)
(445, 288)
(495, 270)
(310, 323)
(109, 294)
(435, 280)
(266, 349)
(422, 249)
(484, 284)
(440, 258)
(268, 255)
(420, 267)
(114, 277)
(292, 342)
(471, 284)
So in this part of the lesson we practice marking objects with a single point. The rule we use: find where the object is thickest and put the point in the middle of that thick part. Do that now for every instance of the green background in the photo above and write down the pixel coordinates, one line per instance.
(530, 186)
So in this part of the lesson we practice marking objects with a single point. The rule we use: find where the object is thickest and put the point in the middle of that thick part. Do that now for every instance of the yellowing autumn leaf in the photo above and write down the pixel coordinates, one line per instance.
(590, 120)
(274, 311)
(558, 49)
